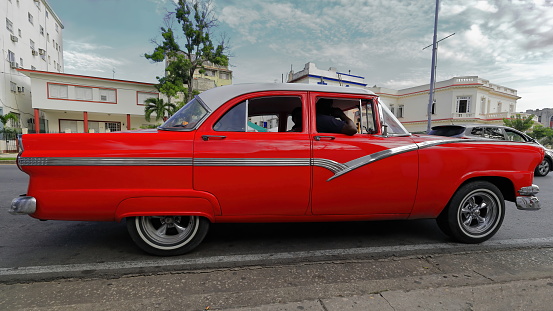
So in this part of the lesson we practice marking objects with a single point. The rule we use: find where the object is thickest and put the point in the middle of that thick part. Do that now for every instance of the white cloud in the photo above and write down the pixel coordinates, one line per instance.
(86, 62)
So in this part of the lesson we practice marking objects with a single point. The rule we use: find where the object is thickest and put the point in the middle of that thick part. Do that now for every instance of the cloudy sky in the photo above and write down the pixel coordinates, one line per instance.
(509, 42)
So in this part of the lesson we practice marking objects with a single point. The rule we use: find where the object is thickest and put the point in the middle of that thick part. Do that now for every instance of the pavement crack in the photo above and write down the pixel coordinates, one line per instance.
(387, 301)
(484, 276)
(322, 304)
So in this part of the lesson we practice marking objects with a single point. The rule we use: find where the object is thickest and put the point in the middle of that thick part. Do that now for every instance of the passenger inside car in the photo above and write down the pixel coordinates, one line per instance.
(327, 121)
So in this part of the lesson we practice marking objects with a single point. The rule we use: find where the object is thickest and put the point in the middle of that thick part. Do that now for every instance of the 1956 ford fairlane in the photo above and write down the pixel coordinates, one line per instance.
(236, 154)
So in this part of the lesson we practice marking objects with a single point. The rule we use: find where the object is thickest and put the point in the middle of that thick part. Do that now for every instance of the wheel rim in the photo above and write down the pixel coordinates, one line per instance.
(167, 232)
(543, 168)
(479, 213)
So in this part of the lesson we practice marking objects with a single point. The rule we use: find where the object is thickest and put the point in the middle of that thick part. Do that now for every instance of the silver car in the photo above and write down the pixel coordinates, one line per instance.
(495, 132)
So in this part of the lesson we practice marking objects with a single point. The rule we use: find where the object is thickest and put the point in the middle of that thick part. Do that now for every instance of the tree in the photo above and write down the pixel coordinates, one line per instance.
(197, 22)
(520, 123)
(7, 117)
(159, 107)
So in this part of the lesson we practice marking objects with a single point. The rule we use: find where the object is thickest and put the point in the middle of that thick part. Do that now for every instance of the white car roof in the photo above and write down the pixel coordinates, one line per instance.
(215, 97)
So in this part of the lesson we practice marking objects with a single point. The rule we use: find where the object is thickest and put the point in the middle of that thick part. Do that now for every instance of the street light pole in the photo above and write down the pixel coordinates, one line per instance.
(433, 69)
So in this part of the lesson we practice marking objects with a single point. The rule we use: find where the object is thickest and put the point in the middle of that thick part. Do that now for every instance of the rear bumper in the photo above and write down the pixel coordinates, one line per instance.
(23, 205)
(528, 201)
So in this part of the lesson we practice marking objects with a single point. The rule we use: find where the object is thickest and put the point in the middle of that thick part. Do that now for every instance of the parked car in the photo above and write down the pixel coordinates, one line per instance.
(230, 155)
(489, 131)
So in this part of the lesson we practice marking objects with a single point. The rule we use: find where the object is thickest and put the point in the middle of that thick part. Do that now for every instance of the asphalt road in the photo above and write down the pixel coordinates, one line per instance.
(35, 250)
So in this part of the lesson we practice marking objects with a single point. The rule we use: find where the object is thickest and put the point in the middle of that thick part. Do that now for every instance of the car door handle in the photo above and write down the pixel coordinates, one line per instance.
(318, 138)
(208, 137)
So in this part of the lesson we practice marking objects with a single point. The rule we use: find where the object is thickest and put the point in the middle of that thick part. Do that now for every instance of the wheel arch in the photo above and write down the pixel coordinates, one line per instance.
(166, 205)
(504, 184)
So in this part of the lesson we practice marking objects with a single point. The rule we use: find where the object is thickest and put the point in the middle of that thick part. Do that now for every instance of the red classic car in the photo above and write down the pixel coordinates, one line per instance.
(274, 153)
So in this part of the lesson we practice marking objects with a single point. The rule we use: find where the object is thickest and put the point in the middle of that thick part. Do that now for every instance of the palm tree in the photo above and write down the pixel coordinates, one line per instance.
(162, 109)
(9, 116)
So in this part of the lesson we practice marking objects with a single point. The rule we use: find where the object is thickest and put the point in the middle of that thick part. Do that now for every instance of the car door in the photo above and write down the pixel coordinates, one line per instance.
(246, 155)
(364, 174)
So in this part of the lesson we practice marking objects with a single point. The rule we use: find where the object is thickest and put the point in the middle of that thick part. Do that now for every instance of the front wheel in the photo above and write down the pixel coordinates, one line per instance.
(474, 214)
(167, 235)
(543, 168)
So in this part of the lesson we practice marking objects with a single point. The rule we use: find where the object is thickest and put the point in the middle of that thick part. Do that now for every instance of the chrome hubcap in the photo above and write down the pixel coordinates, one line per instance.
(168, 230)
(479, 212)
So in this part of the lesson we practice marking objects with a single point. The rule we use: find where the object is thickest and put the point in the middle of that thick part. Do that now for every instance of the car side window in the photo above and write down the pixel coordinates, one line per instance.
(476, 131)
(263, 115)
(493, 133)
(514, 136)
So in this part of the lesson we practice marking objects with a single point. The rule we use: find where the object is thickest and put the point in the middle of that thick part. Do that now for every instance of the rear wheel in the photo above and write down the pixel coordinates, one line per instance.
(167, 235)
(474, 214)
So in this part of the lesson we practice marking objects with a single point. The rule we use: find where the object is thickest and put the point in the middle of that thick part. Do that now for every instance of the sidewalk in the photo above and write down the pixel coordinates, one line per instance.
(520, 295)
(511, 279)
(5, 156)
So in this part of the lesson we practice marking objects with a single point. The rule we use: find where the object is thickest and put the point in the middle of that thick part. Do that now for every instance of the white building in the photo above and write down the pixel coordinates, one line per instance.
(31, 39)
(313, 75)
(456, 101)
(74, 103)
(459, 100)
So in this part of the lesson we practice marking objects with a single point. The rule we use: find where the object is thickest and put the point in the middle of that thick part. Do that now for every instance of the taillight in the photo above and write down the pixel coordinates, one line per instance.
(20, 147)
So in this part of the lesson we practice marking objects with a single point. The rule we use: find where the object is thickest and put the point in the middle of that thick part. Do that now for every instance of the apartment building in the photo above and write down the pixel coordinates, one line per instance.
(32, 38)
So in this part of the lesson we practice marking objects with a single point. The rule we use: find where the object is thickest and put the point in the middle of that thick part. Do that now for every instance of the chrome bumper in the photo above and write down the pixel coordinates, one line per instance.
(528, 201)
(24, 205)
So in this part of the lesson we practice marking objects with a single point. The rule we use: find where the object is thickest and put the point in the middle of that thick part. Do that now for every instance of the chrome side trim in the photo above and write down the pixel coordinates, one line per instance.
(251, 162)
(337, 168)
(27, 161)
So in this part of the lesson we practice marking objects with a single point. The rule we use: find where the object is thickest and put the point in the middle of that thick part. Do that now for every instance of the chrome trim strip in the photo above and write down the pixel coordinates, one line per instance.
(251, 162)
(337, 168)
(28, 161)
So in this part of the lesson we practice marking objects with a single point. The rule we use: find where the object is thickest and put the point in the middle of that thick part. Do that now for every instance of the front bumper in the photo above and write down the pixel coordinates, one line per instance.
(23, 205)
(528, 201)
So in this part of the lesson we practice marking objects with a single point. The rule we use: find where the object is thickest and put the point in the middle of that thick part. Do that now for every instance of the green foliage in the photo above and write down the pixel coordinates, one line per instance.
(161, 109)
(7, 117)
(519, 122)
(197, 21)
(539, 131)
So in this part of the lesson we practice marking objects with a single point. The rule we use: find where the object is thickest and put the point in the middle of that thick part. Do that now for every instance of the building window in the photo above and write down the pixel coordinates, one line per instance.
(224, 75)
(434, 107)
(499, 106)
(11, 56)
(42, 30)
(400, 110)
(31, 19)
(57, 28)
(37, 3)
(19, 32)
(9, 25)
(21, 62)
(108, 95)
(57, 91)
(463, 104)
(13, 86)
(113, 126)
(142, 96)
(47, 14)
(32, 44)
(83, 93)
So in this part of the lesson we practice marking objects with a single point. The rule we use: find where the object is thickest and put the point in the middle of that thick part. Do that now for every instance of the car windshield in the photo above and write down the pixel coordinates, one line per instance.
(394, 126)
(187, 117)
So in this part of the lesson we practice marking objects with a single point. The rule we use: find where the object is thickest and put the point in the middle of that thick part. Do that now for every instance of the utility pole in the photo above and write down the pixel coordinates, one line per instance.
(433, 69)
